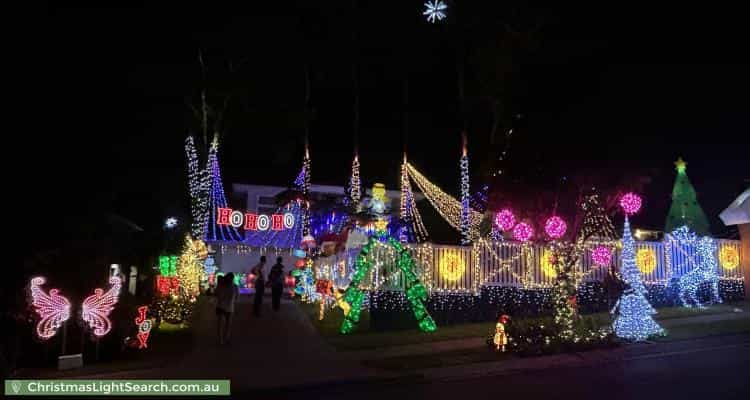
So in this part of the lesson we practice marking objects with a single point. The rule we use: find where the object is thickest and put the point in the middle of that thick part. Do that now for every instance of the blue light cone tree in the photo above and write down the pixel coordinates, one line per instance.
(216, 200)
(634, 313)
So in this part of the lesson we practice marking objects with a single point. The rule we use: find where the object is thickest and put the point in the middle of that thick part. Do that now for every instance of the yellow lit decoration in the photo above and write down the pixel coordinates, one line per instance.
(646, 260)
(190, 267)
(343, 305)
(548, 267)
(381, 225)
(451, 267)
(378, 192)
(728, 257)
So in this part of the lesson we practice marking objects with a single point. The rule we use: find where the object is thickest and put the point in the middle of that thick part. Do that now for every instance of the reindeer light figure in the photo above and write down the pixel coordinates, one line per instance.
(705, 268)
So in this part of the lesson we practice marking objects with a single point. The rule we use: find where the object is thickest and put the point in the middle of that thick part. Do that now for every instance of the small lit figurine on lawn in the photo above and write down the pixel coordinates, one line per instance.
(324, 288)
(501, 339)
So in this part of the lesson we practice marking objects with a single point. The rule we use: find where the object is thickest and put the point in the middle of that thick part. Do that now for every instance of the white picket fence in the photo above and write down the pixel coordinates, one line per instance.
(463, 269)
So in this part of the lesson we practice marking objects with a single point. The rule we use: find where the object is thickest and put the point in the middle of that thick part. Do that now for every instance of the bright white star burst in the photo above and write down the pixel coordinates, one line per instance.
(434, 10)
(170, 223)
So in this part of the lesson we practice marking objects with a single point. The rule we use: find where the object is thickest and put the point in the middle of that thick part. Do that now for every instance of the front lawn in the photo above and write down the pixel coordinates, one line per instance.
(364, 338)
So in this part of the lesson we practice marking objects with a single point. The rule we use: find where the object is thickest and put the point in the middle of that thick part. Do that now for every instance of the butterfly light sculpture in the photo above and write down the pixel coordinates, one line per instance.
(54, 309)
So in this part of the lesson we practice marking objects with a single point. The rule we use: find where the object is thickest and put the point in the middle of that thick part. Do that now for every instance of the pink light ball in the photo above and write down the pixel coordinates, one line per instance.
(630, 203)
(523, 232)
(505, 220)
(555, 227)
(601, 255)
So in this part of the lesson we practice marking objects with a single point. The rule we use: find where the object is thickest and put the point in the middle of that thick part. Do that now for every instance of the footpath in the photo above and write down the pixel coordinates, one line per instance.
(283, 350)
(278, 349)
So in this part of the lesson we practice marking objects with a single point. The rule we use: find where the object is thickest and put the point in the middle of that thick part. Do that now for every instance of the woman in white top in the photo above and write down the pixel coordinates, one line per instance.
(226, 295)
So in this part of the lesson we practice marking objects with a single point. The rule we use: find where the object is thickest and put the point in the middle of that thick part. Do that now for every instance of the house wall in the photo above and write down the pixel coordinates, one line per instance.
(745, 255)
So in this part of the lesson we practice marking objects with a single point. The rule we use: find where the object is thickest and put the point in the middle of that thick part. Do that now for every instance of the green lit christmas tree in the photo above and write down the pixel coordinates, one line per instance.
(685, 209)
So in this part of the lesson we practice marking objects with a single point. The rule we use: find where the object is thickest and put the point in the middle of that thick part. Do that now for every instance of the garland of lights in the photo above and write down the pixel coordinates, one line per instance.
(198, 189)
(216, 200)
(465, 208)
(409, 214)
(416, 293)
(447, 206)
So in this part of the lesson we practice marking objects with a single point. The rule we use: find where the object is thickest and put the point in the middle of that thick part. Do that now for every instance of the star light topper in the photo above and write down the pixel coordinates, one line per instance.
(434, 10)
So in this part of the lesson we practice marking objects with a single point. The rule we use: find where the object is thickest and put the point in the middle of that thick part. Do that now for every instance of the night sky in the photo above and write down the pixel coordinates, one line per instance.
(618, 91)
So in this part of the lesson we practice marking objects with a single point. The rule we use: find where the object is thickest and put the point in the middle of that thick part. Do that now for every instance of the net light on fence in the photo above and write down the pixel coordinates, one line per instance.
(646, 260)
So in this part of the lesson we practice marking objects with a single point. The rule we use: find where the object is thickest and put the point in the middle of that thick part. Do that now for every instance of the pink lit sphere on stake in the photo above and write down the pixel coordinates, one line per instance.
(555, 227)
(505, 219)
(601, 255)
(630, 203)
(523, 232)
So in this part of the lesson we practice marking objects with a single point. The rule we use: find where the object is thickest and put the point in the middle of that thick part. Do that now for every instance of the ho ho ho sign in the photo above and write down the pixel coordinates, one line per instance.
(254, 222)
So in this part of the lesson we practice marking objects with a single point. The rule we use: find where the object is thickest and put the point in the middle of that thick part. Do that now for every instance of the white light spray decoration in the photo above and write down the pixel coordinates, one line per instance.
(435, 10)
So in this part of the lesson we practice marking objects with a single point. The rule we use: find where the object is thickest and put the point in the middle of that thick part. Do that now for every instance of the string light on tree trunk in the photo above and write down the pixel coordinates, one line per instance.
(305, 187)
(465, 208)
(355, 186)
(198, 188)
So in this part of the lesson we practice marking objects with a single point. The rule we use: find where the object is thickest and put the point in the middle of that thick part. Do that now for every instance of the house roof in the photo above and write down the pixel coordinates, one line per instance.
(738, 212)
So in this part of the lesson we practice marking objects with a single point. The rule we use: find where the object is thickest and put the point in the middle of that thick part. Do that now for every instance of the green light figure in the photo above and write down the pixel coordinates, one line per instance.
(685, 209)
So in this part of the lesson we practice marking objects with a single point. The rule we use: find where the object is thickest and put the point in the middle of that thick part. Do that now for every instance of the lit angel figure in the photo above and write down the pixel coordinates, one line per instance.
(434, 10)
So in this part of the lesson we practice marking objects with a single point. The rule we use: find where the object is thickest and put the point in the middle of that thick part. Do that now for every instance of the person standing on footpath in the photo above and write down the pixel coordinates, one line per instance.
(226, 294)
(260, 285)
(276, 279)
